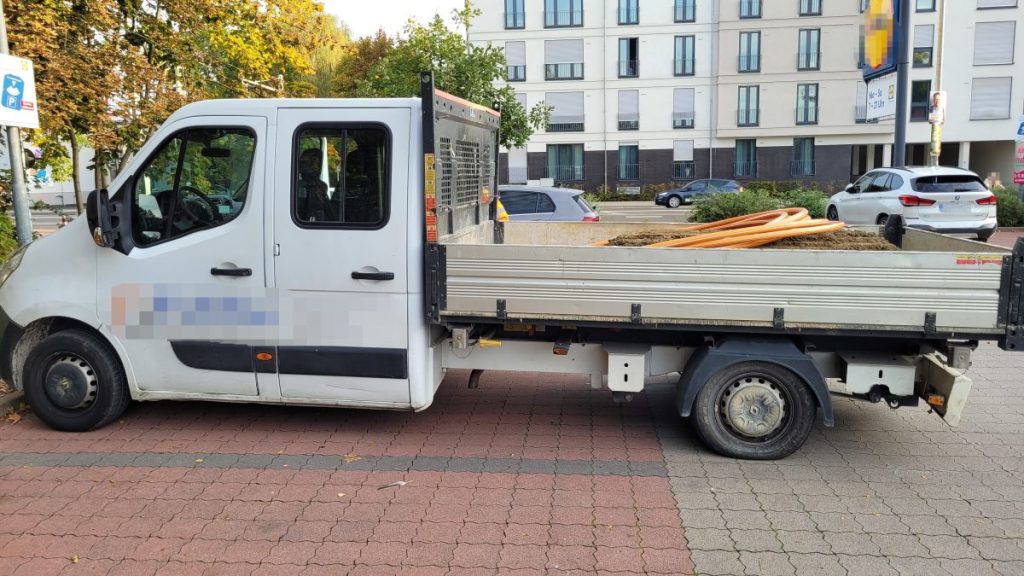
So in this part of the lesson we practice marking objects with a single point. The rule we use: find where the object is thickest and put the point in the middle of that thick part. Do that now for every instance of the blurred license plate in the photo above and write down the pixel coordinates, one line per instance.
(954, 207)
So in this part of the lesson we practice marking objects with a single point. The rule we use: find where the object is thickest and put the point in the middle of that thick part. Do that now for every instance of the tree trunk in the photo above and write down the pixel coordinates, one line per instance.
(75, 161)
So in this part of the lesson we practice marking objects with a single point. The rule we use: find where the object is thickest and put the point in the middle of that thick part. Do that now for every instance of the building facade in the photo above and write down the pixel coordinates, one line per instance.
(656, 91)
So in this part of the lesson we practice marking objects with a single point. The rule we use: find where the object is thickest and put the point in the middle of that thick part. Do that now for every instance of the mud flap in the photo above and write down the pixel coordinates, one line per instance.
(947, 382)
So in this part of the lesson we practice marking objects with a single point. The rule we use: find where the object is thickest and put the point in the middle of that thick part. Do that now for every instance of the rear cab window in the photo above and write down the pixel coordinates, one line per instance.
(949, 183)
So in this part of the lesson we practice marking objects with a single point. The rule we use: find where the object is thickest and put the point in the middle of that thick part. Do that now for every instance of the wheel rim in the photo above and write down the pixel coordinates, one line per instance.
(882, 220)
(674, 202)
(833, 214)
(754, 408)
(70, 382)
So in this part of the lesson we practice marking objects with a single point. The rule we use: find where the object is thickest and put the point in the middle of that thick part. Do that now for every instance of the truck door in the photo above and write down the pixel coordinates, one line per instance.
(342, 243)
(182, 297)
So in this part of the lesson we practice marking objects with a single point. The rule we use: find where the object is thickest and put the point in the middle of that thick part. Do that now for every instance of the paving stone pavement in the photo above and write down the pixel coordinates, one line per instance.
(530, 474)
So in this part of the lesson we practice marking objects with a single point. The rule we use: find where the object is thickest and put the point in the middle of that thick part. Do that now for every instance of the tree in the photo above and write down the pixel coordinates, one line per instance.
(461, 68)
(360, 58)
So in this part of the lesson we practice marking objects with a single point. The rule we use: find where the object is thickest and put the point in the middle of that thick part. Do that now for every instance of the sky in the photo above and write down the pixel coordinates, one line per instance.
(364, 17)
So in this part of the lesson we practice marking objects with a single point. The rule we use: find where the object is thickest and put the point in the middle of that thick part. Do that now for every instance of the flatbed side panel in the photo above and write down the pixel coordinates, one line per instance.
(887, 290)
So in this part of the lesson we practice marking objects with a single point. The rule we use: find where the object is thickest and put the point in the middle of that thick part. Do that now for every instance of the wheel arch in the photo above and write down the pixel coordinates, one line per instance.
(729, 351)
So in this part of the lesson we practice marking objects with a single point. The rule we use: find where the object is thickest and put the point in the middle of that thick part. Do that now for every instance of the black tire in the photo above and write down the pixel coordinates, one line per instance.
(882, 219)
(674, 202)
(797, 417)
(832, 214)
(75, 365)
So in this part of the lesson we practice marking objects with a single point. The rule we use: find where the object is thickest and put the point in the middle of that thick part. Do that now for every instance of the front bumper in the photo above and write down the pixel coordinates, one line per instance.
(10, 333)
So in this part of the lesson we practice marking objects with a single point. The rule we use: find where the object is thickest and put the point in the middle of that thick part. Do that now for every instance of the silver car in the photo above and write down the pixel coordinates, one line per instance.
(545, 203)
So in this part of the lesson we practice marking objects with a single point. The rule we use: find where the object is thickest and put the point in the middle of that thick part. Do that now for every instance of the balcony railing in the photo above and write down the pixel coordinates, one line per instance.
(750, 8)
(571, 71)
(802, 168)
(629, 171)
(808, 61)
(630, 15)
(563, 18)
(516, 73)
(684, 11)
(860, 113)
(747, 116)
(746, 169)
(684, 66)
(629, 68)
(807, 115)
(567, 124)
(564, 172)
(749, 63)
(629, 124)
(517, 174)
(684, 170)
(682, 121)
(515, 20)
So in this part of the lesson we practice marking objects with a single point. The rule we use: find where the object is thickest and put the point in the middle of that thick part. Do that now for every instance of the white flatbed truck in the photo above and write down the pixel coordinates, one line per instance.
(229, 263)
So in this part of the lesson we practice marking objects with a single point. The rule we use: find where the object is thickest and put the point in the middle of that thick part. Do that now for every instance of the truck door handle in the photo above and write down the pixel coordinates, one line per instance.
(373, 275)
(231, 271)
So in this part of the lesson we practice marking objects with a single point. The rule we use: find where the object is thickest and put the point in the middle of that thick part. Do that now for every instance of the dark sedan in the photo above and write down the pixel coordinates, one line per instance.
(695, 190)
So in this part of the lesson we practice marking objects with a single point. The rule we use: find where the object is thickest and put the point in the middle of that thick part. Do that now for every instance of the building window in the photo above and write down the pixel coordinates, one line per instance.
(920, 92)
(684, 63)
(750, 52)
(746, 159)
(567, 111)
(748, 112)
(810, 7)
(926, 5)
(685, 10)
(860, 109)
(750, 8)
(629, 109)
(809, 55)
(803, 157)
(517, 166)
(563, 13)
(629, 11)
(983, 4)
(990, 98)
(563, 59)
(807, 104)
(515, 61)
(629, 162)
(515, 15)
(924, 39)
(683, 166)
(565, 162)
(629, 61)
(994, 43)
(682, 108)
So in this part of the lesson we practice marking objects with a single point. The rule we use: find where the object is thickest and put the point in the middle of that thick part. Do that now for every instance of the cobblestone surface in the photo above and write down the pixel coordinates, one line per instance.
(527, 475)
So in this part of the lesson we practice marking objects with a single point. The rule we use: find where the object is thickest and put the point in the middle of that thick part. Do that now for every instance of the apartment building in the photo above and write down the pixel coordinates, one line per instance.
(653, 91)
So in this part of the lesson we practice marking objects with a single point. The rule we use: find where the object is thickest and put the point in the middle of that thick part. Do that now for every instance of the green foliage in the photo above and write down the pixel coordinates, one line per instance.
(1009, 207)
(466, 70)
(40, 205)
(722, 206)
(8, 236)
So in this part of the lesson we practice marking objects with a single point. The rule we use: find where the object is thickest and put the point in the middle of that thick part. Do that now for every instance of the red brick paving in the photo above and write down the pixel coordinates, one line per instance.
(127, 519)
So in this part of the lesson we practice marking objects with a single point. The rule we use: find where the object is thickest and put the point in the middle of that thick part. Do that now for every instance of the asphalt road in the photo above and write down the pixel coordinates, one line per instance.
(641, 211)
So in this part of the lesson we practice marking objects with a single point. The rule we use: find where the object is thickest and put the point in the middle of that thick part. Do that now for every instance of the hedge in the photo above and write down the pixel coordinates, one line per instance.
(1009, 207)
(722, 206)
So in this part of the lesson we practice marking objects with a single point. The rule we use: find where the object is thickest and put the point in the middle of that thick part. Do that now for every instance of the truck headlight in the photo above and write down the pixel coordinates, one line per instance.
(11, 264)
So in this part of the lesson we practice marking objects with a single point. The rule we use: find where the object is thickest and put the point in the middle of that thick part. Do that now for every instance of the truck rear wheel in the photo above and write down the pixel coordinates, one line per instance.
(754, 410)
(74, 382)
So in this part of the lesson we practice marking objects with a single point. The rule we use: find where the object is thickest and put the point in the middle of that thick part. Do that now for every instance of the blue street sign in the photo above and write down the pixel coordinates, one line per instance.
(13, 91)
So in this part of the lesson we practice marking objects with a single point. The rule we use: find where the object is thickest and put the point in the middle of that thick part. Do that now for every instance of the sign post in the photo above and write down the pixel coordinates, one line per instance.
(936, 117)
(17, 110)
(1018, 169)
(885, 49)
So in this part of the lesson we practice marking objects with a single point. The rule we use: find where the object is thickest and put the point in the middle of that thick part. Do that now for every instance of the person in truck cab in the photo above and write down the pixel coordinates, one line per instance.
(312, 200)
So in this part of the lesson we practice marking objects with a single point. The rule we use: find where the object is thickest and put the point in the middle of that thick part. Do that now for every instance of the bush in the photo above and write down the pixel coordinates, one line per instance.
(40, 205)
(722, 206)
(1009, 208)
(8, 236)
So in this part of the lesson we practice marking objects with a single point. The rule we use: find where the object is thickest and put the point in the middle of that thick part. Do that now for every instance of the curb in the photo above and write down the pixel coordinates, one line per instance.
(10, 401)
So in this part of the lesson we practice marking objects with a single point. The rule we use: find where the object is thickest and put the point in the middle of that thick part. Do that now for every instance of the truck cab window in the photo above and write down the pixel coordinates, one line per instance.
(340, 177)
(196, 180)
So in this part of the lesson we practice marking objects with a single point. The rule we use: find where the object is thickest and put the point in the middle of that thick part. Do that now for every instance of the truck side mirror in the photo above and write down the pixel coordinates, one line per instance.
(97, 213)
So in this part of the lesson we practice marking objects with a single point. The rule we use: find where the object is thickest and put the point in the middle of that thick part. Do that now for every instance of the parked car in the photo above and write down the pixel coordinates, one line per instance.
(545, 203)
(938, 199)
(676, 197)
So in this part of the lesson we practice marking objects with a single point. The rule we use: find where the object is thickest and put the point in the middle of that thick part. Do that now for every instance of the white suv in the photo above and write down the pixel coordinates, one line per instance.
(940, 199)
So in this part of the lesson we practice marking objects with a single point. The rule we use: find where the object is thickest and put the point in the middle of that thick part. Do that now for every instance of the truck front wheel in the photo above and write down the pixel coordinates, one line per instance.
(754, 410)
(74, 382)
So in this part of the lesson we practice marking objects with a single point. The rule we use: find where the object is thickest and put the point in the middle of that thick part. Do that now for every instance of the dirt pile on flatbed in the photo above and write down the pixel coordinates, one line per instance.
(842, 240)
